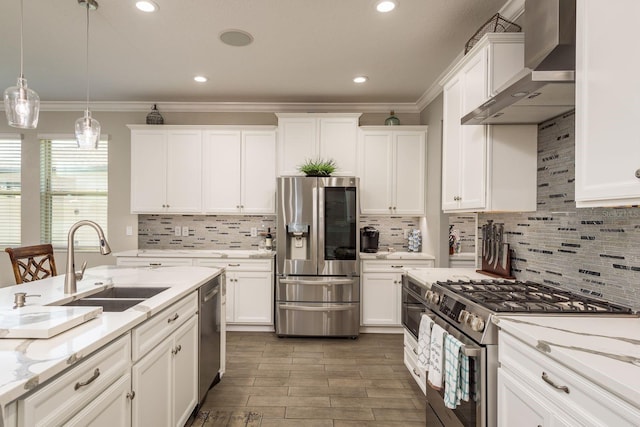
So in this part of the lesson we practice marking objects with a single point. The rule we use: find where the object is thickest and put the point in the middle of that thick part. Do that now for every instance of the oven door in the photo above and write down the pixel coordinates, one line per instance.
(467, 414)
(412, 308)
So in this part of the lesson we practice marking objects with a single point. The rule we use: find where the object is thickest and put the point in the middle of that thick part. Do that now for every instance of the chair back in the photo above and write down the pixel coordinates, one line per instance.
(32, 262)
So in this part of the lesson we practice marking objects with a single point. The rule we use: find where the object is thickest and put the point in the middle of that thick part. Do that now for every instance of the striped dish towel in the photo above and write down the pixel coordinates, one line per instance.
(456, 373)
(424, 341)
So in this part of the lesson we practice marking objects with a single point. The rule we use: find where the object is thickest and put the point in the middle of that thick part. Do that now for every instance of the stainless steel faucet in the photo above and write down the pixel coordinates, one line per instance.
(70, 277)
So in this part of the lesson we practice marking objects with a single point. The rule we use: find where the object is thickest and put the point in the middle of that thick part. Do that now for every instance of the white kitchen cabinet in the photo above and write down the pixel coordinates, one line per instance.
(303, 136)
(166, 170)
(381, 297)
(165, 380)
(249, 292)
(111, 408)
(410, 359)
(551, 393)
(392, 170)
(60, 400)
(240, 170)
(607, 107)
(486, 167)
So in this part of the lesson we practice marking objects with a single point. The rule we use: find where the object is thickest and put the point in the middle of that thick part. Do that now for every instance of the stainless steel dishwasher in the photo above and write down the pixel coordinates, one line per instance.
(210, 330)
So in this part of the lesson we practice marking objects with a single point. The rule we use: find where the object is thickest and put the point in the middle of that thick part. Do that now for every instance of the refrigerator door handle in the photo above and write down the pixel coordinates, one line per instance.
(299, 307)
(328, 282)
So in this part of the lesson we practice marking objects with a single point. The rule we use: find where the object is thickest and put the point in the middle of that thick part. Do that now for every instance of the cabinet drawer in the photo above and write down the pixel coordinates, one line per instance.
(389, 266)
(153, 262)
(160, 326)
(59, 400)
(237, 264)
(581, 399)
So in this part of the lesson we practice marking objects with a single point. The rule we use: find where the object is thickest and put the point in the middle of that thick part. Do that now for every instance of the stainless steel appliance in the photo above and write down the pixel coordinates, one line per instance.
(369, 239)
(318, 274)
(465, 309)
(210, 333)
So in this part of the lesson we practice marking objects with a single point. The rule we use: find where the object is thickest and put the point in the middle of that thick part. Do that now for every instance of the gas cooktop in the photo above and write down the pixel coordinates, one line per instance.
(530, 297)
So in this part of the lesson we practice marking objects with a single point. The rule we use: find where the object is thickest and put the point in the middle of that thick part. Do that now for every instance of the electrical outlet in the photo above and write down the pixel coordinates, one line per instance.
(177, 231)
(185, 231)
(254, 232)
(129, 230)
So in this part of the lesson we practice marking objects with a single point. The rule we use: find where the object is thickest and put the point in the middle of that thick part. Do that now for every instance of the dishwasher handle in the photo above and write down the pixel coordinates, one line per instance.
(210, 295)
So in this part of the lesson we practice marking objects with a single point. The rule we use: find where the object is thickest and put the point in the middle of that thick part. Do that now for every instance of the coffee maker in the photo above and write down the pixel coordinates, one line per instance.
(369, 238)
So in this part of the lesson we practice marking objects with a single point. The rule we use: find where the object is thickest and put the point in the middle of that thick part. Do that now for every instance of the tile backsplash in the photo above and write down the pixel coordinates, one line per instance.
(465, 224)
(591, 250)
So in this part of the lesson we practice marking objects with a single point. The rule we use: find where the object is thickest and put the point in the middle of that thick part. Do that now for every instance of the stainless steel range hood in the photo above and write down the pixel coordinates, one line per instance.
(545, 88)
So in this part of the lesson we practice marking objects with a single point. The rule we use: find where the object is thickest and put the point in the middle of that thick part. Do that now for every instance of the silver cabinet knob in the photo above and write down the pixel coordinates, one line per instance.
(637, 173)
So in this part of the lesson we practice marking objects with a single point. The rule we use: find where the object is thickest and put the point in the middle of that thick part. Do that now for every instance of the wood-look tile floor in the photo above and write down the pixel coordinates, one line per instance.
(332, 382)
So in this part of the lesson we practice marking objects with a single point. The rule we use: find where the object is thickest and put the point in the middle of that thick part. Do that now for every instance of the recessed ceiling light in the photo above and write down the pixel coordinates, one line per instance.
(385, 6)
(236, 38)
(146, 6)
(200, 79)
(360, 79)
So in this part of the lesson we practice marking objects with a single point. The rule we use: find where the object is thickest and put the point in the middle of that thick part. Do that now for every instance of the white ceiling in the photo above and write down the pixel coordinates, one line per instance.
(305, 51)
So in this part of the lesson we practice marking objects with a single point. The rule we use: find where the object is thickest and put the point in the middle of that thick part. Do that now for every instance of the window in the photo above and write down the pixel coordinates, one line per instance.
(10, 191)
(73, 187)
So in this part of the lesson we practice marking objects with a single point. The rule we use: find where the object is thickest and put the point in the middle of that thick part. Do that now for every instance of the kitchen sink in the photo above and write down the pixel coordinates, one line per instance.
(118, 298)
(107, 304)
(127, 292)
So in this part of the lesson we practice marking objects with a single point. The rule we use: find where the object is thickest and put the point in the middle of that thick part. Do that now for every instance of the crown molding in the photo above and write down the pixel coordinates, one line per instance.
(224, 107)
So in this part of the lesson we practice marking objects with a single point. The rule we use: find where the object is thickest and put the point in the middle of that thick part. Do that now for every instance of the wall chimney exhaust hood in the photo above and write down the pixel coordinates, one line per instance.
(545, 88)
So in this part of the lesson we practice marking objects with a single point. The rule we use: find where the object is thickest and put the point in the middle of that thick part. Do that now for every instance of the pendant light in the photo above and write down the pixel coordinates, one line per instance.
(87, 128)
(21, 104)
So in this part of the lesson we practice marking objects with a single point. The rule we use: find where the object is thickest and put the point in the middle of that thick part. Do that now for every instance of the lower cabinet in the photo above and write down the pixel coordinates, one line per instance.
(411, 361)
(111, 408)
(165, 380)
(536, 390)
(381, 296)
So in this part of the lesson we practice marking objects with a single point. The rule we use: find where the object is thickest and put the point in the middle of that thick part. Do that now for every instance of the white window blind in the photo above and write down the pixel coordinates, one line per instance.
(10, 191)
(73, 187)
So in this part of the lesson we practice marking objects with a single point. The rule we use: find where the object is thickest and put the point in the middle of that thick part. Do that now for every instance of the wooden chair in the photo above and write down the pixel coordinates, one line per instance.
(32, 262)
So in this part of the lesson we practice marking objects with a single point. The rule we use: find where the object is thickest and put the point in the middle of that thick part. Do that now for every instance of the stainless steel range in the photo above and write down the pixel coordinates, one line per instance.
(465, 310)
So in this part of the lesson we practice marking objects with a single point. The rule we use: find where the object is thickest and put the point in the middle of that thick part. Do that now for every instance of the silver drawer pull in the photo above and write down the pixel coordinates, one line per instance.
(131, 395)
(96, 374)
(234, 265)
(417, 373)
(155, 264)
(415, 351)
(549, 381)
(397, 266)
(174, 318)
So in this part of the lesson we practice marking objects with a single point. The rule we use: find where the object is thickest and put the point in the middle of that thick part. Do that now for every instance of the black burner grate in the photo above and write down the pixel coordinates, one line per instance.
(531, 297)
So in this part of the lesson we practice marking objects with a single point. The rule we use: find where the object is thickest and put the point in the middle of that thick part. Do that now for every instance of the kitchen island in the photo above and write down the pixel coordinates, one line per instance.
(27, 364)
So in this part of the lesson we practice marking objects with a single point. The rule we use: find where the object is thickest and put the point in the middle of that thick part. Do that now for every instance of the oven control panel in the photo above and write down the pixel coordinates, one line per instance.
(457, 311)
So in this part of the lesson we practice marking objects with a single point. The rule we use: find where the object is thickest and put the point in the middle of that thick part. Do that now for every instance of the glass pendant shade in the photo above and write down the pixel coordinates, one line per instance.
(87, 132)
(21, 105)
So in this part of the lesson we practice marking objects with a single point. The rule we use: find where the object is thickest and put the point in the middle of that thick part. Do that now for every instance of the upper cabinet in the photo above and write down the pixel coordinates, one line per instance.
(484, 167)
(166, 172)
(303, 136)
(392, 170)
(607, 106)
(240, 171)
(203, 169)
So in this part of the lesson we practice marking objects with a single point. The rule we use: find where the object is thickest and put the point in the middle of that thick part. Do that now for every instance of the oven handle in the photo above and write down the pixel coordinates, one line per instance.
(325, 282)
(468, 348)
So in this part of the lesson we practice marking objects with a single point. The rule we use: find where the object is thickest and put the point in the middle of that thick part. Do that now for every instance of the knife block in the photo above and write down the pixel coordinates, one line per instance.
(501, 268)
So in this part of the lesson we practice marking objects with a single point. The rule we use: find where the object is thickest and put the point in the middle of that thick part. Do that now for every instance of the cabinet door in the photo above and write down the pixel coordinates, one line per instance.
(148, 171)
(409, 176)
(253, 298)
(474, 80)
(381, 294)
(297, 141)
(376, 172)
(451, 145)
(258, 172)
(185, 371)
(151, 381)
(111, 408)
(230, 297)
(607, 106)
(184, 171)
(221, 163)
(473, 165)
(338, 141)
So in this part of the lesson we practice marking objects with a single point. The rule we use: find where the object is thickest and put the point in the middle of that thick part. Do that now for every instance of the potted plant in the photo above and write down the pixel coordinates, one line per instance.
(318, 167)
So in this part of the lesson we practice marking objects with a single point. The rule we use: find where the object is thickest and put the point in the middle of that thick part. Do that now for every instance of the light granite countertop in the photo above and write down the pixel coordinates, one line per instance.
(26, 363)
(605, 350)
(196, 253)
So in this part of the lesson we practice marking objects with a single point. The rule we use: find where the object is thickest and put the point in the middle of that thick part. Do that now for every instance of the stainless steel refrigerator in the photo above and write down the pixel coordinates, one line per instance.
(318, 262)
